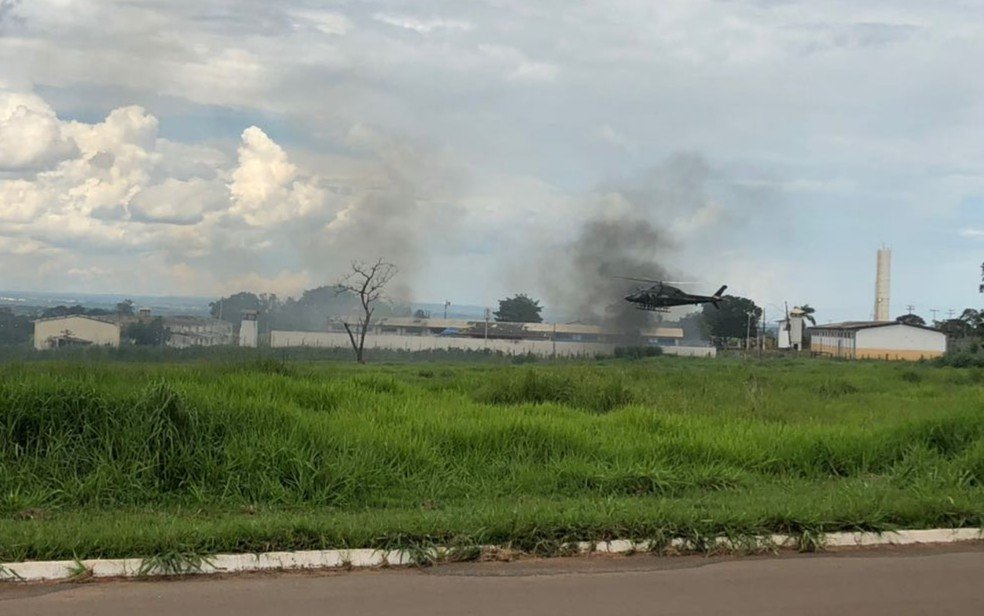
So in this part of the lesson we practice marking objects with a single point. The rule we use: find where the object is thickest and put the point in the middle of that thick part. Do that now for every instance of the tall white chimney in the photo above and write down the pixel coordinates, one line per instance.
(883, 284)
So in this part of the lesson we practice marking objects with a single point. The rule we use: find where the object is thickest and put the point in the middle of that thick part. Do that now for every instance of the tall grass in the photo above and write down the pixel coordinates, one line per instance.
(299, 454)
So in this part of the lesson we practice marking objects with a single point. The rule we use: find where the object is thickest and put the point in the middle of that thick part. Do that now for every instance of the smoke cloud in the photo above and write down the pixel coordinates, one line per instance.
(587, 285)
(632, 228)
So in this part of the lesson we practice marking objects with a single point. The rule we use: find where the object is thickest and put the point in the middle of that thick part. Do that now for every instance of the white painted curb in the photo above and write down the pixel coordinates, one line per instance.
(38, 571)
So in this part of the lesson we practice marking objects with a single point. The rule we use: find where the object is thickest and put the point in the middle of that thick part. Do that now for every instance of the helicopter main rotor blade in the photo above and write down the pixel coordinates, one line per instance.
(651, 281)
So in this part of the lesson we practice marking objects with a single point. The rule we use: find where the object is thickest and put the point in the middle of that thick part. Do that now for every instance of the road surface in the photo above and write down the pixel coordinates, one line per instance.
(934, 581)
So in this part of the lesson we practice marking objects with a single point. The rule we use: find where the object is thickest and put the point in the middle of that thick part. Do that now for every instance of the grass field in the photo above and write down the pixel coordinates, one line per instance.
(136, 459)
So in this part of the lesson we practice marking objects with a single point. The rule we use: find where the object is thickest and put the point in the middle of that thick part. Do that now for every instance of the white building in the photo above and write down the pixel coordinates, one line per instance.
(249, 331)
(877, 340)
(543, 339)
(76, 330)
(194, 331)
(791, 331)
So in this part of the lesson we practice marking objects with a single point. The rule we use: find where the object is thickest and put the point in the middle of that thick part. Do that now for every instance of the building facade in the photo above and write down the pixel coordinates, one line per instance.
(75, 330)
(543, 339)
(877, 340)
(197, 332)
(249, 330)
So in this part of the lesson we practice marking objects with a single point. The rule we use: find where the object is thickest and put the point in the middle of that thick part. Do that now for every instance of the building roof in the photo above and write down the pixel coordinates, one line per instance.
(190, 320)
(857, 325)
(110, 319)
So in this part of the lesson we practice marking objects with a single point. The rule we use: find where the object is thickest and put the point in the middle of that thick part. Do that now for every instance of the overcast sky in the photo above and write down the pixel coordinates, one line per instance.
(207, 146)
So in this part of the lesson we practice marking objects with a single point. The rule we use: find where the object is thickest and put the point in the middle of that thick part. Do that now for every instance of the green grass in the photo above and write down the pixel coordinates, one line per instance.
(149, 459)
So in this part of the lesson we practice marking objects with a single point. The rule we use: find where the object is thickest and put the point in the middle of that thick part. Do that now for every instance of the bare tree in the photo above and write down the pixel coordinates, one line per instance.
(366, 282)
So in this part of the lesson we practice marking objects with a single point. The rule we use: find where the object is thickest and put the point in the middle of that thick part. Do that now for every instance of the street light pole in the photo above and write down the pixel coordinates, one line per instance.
(748, 333)
(488, 315)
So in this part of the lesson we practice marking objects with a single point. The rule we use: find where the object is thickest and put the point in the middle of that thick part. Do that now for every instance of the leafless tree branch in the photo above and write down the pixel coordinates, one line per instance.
(367, 282)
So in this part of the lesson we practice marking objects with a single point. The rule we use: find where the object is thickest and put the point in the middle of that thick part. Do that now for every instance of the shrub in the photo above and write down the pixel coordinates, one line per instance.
(638, 352)
(583, 389)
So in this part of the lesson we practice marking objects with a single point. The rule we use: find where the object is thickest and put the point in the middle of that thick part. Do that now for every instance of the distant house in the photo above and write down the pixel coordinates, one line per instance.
(877, 340)
(76, 330)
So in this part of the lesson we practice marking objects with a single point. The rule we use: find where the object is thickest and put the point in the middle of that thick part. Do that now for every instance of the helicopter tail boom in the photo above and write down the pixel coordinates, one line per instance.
(719, 296)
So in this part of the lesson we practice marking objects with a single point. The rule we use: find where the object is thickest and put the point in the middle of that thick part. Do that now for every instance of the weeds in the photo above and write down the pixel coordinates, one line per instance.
(79, 571)
(811, 540)
(6, 573)
(173, 562)
(101, 459)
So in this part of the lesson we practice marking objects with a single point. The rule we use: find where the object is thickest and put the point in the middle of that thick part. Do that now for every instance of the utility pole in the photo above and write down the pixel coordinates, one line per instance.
(553, 340)
(910, 308)
(488, 315)
(447, 304)
(761, 334)
(748, 333)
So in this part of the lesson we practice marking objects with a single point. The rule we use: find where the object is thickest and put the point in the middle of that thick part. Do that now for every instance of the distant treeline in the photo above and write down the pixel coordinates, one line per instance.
(309, 312)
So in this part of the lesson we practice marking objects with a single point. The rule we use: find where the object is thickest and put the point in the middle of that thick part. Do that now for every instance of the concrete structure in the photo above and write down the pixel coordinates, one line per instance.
(543, 339)
(249, 332)
(196, 332)
(791, 331)
(560, 332)
(883, 285)
(877, 340)
(76, 330)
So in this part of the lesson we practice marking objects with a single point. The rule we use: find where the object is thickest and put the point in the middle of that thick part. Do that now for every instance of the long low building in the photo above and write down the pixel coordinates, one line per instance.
(877, 340)
(543, 339)
(560, 332)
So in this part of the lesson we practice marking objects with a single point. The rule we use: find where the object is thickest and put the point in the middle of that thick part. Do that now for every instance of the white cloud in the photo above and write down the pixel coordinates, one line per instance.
(422, 25)
(30, 135)
(263, 188)
(518, 67)
(326, 22)
(802, 99)
(611, 136)
(178, 202)
(972, 233)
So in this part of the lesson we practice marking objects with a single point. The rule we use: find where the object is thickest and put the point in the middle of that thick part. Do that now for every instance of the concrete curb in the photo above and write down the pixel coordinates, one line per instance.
(39, 571)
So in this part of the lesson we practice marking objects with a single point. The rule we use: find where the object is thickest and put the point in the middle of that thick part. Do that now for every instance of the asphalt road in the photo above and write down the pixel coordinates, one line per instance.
(934, 581)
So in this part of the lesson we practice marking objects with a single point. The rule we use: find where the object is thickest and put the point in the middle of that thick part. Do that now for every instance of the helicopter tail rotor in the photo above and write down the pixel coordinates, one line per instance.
(719, 296)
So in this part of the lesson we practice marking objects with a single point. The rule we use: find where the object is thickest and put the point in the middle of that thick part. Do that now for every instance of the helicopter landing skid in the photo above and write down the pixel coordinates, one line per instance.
(651, 308)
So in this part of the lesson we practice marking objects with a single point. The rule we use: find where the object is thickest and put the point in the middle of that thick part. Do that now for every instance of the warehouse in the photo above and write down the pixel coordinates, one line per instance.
(75, 330)
(877, 340)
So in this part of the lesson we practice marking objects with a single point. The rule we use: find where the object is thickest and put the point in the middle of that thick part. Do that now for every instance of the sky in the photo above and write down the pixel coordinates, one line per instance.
(210, 146)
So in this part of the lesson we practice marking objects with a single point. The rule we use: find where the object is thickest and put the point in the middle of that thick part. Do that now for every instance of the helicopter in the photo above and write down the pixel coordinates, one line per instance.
(662, 296)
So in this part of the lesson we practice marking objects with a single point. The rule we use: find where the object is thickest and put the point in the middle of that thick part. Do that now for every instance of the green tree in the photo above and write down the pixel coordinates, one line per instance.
(974, 320)
(148, 333)
(735, 318)
(14, 329)
(125, 308)
(519, 309)
(231, 308)
(955, 328)
(62, 311)
(911, 319)
(808, 312)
